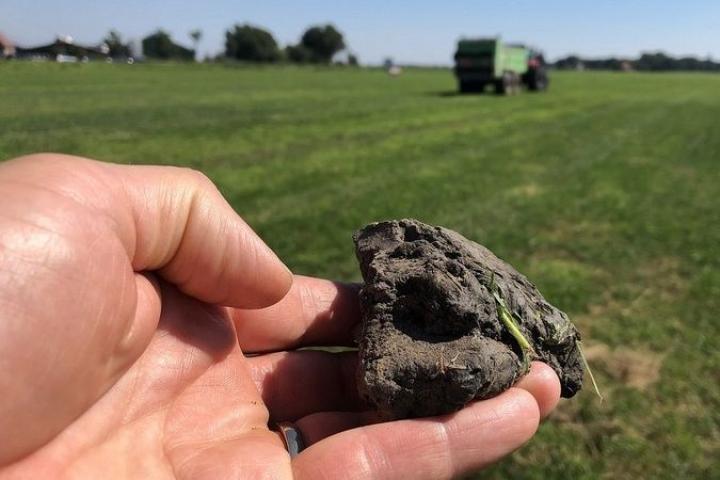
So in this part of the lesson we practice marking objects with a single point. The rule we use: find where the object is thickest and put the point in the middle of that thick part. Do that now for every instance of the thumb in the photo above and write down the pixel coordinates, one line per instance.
(75, 312)
(178, 223)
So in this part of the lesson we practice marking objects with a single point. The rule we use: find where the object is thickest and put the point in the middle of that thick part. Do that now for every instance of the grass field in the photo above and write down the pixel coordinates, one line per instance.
(605, 192)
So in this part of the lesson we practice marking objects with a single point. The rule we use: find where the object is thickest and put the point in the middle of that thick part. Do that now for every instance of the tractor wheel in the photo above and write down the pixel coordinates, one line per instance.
(538, 80)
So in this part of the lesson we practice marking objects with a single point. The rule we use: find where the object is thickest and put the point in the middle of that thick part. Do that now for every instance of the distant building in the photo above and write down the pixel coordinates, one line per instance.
(62, 49)
(7, 48)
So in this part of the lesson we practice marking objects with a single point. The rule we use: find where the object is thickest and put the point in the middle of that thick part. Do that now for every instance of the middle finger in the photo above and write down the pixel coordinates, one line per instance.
(315, 312)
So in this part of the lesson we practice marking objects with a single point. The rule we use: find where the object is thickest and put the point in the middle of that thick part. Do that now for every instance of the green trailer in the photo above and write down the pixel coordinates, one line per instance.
(488, 61)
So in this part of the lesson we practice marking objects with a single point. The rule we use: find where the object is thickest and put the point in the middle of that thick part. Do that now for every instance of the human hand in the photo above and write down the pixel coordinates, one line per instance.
(127, 298)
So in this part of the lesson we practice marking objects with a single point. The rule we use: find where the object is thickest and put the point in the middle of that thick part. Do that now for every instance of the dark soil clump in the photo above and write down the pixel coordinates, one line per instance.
(434, 337)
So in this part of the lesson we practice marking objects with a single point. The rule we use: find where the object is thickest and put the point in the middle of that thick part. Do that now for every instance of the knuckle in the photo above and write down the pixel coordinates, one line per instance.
(197, 178)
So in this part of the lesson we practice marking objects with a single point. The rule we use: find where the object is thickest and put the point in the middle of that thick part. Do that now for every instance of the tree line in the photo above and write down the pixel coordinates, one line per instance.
(248, 43)
(649, 62)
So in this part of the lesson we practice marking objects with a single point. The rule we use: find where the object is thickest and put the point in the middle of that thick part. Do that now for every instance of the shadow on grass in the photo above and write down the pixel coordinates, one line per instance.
(455, 93)
(444, 93)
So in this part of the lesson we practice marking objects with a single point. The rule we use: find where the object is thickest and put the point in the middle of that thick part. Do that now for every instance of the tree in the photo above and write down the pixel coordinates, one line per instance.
(323, 42)
(573, 62)
(116, 47)
(195, 36)
(658, 61)
(298, 54)
(352, 60)
(652, 61)
(160, 46)
(252, 44)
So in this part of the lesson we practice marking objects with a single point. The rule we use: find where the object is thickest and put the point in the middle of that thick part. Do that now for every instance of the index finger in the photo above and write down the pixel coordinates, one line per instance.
(315, 312)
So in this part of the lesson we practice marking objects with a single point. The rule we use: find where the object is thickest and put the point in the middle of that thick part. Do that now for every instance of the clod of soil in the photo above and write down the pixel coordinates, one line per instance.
(446, 322)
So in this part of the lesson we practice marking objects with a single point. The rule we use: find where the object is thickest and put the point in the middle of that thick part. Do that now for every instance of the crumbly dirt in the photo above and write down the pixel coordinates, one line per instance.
(432, 339)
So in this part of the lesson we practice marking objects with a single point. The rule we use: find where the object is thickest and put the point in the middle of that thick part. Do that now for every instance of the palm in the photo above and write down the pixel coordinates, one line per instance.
(185, 409)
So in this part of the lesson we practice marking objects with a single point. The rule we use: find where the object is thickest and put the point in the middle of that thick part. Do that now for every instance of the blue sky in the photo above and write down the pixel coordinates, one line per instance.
(419, 31)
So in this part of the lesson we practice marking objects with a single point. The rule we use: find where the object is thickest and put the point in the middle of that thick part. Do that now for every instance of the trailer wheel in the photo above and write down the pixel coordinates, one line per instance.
(471, 87)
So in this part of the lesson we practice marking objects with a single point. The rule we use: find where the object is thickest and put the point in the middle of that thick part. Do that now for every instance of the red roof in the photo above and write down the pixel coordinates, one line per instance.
(7, 47)
(5, 41)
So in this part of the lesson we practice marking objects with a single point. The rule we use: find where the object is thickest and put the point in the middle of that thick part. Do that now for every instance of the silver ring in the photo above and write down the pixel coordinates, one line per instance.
(292, 437)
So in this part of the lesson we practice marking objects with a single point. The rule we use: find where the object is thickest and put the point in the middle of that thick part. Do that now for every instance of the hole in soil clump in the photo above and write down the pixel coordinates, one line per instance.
(411, 233)
(425, 311)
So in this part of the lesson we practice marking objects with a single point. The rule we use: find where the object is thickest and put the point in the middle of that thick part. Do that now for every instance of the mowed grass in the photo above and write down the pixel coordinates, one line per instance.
(604, 191)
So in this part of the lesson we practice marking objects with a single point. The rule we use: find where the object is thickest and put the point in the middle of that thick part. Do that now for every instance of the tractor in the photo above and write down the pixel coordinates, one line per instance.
(484, 62)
